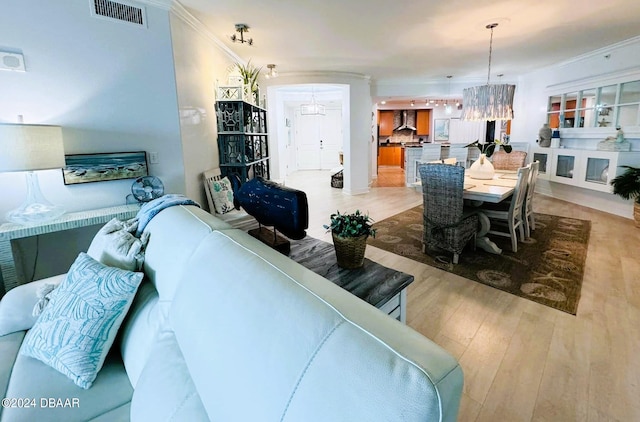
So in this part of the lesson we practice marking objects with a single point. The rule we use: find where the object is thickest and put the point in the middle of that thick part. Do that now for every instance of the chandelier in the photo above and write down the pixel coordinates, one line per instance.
(313, 109)
(488, 102)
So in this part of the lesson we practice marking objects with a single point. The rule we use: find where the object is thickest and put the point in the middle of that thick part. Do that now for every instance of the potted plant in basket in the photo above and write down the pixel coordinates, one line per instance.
(350, 233)
(482, 168)
(627, 185)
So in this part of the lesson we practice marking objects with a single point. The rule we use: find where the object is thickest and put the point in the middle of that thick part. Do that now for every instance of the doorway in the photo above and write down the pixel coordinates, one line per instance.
(318, 140)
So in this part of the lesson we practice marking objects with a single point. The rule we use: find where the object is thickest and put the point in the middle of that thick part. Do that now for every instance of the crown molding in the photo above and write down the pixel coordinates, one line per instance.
(598, 52)
(179, 11)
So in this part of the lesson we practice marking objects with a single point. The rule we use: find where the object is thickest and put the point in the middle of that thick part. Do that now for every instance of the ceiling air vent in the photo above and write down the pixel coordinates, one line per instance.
(123, 12)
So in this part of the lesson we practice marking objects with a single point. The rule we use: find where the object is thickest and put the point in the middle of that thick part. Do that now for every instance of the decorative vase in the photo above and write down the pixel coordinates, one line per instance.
(481, 169)
(544, 136)
(350, 250)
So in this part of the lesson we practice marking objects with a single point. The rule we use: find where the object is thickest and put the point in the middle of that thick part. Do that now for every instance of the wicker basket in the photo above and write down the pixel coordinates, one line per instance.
(350, 250)
(337, 180)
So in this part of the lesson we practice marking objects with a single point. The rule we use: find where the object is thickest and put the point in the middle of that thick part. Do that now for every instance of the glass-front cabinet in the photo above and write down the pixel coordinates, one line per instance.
(563, 168)
(585, 168)
(542, 155)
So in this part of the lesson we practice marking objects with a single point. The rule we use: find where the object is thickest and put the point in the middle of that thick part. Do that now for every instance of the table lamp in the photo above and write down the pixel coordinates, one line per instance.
(30, 148)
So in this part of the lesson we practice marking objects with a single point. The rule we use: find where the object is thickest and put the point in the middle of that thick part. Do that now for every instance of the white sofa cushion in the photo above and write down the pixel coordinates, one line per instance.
(165, 391)
(278, 342)
(75, 331)
(31, 378)
(139, 330)
(16, 307)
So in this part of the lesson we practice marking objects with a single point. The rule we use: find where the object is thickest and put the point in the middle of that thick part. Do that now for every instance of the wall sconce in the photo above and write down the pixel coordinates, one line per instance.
(241, 28)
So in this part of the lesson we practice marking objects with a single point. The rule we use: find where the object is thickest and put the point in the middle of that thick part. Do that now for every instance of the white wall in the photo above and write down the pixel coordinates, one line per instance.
(199, 65)
(110, 85)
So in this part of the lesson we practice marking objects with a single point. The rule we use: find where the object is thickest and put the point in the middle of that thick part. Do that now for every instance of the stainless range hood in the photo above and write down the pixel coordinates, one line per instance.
(405, 124)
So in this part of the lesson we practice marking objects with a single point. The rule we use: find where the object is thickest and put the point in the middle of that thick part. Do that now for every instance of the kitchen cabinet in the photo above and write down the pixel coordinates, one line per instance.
(423, 119)
(385, 121)
(390, 156)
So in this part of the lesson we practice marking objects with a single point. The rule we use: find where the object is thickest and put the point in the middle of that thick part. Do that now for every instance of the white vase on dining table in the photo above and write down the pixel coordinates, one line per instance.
(481, 168)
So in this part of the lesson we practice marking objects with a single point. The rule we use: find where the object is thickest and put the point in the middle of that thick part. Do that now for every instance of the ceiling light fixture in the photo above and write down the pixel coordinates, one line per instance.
(313, 109)
(488, 102)
(242, 28)
(413, 103)
(272, 73)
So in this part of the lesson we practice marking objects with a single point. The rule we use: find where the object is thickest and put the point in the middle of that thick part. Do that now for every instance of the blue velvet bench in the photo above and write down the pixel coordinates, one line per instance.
(284, 209)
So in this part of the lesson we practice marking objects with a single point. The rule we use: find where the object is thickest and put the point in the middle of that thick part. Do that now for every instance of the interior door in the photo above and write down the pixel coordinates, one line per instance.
(330, 139)
(318, 140)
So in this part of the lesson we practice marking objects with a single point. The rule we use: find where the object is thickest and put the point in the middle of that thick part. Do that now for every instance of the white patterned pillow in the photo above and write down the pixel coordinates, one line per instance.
(222, 195)
(77, 328)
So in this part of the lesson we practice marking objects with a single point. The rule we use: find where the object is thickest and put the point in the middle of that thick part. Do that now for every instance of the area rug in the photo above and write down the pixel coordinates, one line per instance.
(548, 267)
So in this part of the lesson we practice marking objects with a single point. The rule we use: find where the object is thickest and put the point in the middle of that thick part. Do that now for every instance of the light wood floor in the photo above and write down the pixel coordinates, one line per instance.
(522, 361)
(389, 177)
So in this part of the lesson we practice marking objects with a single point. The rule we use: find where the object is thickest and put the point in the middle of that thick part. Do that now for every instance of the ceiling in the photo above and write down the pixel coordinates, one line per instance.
(418, 40)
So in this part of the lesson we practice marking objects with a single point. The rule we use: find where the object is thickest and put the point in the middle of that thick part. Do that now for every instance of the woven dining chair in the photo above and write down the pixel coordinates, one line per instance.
(529, 218)
(446, 224)
(508, 161)
(509, 214)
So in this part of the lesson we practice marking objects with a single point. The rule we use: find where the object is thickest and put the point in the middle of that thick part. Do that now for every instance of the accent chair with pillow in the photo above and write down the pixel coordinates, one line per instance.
(221, 328)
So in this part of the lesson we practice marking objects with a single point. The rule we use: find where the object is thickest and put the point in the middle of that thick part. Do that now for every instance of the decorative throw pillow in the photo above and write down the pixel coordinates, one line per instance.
(115, 246)
(77, 328)
(222, 195)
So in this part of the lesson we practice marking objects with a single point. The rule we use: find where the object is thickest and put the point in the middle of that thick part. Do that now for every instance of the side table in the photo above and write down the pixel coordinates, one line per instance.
(382, 287)
(73, 220)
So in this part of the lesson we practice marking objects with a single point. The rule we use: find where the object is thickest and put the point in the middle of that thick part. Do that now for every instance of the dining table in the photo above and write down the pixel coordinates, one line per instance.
(497, 189)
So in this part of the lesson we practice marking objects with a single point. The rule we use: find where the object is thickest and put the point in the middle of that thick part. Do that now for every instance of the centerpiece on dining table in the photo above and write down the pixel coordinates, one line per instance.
(482, 167)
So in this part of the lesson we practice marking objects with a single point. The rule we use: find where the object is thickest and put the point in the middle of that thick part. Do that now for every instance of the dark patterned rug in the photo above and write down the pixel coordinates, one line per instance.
(548, 268)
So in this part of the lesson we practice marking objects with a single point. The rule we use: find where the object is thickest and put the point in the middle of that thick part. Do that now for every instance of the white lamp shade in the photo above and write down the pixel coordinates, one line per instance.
(488, 102)
(30, 147)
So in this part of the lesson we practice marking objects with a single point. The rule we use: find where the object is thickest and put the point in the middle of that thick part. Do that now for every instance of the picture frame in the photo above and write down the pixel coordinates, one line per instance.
(104, 166)
(440, 129)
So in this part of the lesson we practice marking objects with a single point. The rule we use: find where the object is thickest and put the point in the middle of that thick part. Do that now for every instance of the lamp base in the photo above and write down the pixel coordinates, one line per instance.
(35, 213)
(36, 209)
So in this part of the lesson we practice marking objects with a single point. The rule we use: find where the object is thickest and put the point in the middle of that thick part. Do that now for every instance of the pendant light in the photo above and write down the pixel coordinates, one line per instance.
(447, 106)
(488, 102)
(313, 109)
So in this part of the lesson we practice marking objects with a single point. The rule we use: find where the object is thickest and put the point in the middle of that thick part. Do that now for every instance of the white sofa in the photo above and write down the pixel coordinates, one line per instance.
(224, 328)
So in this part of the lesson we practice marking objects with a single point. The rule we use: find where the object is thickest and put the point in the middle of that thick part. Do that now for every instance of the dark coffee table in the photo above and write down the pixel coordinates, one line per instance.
(376, 284)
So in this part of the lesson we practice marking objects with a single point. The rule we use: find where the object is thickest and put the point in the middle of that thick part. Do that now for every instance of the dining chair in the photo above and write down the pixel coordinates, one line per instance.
(509, 214)
(460, 153)
(508, 161)
(529, 218)
(447, 224)
(430, 152)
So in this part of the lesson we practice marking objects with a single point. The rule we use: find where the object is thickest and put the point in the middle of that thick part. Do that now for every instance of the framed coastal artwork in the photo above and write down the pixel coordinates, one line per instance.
(101, 167)
(440, 129)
